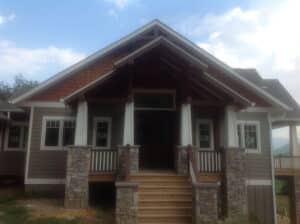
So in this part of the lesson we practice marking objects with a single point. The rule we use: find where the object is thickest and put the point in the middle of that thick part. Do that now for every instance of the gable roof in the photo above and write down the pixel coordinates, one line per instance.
(274, 87)
(154, 24)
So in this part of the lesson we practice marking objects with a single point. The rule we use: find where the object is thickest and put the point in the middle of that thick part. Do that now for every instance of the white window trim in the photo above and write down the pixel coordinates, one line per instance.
(212, 141)
(109, 121)
(60, 147)
(258, 135)
(166, 91)
(22, 125)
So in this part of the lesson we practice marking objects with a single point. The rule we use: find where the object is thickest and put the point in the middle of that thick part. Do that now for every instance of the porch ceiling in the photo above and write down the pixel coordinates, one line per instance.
(178, 64)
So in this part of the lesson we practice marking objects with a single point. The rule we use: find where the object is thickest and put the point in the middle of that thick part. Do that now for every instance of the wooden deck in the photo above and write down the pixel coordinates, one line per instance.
(287, 165)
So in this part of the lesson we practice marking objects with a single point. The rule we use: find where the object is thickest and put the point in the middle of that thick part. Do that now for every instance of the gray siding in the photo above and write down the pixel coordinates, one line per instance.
(259, 165)
(52, 164)
(260, 203)
(11, 163)
(45, 163)
(116, 112)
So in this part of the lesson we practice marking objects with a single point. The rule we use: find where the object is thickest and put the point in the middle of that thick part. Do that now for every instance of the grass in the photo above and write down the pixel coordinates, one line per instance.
(12, 213)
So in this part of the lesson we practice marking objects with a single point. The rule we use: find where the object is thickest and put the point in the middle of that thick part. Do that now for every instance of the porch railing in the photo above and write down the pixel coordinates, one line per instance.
(209, 161)
(103, 161)
(287, 162)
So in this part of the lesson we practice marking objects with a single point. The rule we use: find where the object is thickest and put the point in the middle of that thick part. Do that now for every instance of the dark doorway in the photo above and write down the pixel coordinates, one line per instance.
(155, 135)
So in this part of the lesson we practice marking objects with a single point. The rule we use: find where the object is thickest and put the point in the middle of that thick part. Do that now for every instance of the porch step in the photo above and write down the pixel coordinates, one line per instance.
(164, 198)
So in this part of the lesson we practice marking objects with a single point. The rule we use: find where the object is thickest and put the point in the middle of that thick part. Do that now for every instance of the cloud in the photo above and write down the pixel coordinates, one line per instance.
(263, 36)
(37, 63)
(120, 4)
(5, 19)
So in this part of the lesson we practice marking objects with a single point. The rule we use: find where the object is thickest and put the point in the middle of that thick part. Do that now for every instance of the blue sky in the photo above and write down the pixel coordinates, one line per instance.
(40, 38)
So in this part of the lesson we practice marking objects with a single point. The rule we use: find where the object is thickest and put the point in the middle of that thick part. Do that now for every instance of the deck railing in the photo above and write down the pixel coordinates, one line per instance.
(209, 161)
(103, 161)
(287, 162)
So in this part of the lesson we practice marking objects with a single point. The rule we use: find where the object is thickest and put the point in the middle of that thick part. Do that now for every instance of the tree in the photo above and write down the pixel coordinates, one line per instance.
(20, 85)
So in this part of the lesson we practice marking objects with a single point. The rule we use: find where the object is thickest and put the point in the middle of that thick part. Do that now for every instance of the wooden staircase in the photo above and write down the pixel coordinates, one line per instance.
(164, 197)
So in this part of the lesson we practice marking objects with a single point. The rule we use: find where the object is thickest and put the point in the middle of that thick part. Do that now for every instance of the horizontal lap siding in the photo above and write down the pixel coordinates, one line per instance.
(46, 164)
(12, 163)
(260, 203)
(259, 165)
(116, 112)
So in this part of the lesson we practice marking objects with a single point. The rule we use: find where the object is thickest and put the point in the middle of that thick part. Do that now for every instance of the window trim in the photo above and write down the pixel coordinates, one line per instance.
(212, 140)
(109, 121)
(258, 135)
(13, 149)
(60, 146)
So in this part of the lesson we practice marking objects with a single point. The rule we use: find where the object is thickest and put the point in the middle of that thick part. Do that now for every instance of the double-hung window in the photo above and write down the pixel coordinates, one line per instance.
(16, 137)
(249, 136)
(204, 134)
(58, 132)
(102, 133)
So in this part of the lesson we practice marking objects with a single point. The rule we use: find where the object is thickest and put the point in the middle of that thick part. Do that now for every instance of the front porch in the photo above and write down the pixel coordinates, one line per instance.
(165, 132)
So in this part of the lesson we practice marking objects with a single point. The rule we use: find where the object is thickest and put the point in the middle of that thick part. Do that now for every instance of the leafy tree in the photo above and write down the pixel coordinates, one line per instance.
(19, 86)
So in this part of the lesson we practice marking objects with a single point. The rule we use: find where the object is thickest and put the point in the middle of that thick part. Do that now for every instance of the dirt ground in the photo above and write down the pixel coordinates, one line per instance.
(54, 208)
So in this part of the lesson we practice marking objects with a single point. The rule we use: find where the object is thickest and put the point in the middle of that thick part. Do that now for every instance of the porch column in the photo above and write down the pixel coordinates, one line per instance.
(230, 127)
(186, 134)
(128, 136)
(186, 138)
(81, 130)
(294, 144)
(128, 153)
(78, 163)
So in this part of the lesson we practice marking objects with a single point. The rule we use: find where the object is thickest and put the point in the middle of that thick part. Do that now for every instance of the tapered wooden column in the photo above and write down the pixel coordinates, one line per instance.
(294, 144)
(186, 137)
(230, 127)
(81, 130)
(128, 135)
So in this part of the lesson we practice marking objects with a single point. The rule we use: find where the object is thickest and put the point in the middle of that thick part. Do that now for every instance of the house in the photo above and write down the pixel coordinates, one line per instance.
(184, 137)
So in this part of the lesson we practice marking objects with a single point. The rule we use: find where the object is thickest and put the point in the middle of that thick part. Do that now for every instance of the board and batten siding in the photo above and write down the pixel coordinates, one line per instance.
(259, 164)
(260, 203)
(52, 163)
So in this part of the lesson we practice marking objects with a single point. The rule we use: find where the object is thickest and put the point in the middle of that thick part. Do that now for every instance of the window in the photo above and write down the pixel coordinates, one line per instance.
(16, 137)
(204, 134)
(249, 135)
(154, 99)
(102, 133)
(58, 132)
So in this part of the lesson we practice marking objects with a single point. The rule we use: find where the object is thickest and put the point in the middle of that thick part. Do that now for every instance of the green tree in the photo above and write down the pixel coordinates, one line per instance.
(19, 86)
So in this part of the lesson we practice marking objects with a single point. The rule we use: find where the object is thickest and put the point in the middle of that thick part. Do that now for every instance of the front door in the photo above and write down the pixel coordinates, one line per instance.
(155, 136)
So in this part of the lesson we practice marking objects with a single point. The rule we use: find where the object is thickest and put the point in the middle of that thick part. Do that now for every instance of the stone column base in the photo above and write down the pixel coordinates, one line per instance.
(182, 160)
(133, 160)
(205, 203)
(126, 203)
(77, 183)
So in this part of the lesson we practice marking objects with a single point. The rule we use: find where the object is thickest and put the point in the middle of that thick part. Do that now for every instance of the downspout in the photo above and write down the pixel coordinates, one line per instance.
(272, 170)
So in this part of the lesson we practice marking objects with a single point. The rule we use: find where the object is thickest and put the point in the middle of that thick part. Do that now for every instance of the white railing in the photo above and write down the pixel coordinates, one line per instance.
(103, 161)
(287, 162)
(209, 161)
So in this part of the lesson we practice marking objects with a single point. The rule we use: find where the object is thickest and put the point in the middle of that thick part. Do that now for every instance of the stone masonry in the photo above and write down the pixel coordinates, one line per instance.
(77, 185)
(235, 182)
(133, 160)
(126, 203)
(182, 160)
(205, 203)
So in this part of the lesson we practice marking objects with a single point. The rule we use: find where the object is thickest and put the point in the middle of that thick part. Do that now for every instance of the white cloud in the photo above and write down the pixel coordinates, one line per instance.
(5, 19)
(120, 4)
(34, 63)
(264, 36)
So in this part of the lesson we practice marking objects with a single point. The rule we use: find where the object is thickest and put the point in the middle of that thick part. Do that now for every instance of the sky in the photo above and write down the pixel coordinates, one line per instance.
(40, 38)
